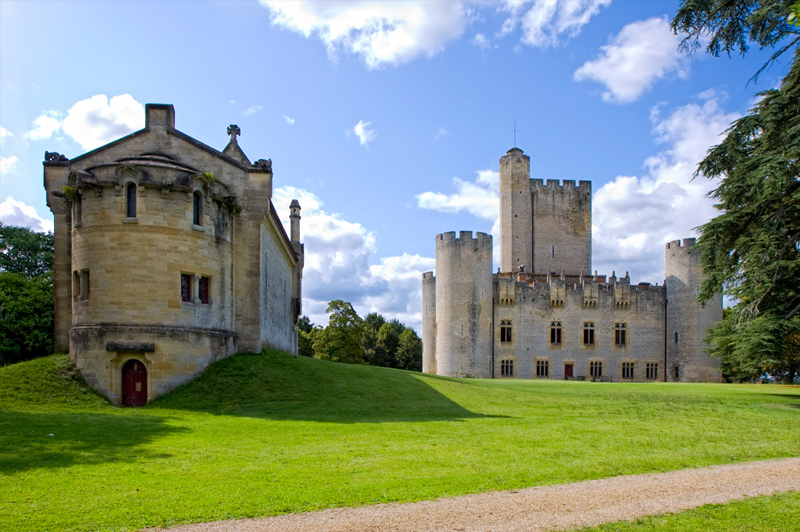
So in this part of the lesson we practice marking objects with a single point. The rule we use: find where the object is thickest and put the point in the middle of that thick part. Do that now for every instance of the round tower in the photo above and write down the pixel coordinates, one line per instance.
(687, 320)
(428, 323)
(463, 304)
(516, 225)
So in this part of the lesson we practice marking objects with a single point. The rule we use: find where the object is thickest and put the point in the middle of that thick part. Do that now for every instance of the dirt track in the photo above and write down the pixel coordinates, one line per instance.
(559, 507)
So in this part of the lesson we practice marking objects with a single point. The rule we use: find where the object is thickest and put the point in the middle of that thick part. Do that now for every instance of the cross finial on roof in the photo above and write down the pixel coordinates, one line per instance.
(233, 131)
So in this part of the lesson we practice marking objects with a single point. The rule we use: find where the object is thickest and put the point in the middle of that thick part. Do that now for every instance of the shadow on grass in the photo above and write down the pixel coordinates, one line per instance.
(278, 386)
(55, 440)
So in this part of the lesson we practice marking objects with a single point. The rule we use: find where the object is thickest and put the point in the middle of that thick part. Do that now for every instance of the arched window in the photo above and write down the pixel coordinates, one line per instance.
(130, 196)
(197, 208)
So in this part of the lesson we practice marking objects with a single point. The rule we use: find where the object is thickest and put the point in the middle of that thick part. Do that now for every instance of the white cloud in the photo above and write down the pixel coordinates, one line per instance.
(382, 33)
(480, 198)
(13, 212)
(547, 22)
(289, 120)
(252, 110)
(5, 134)
(7, 165)
(634, 216)
(441, 133)
(364, 132)
(98, 120)
(481, 41)
(338, 253)
(45, 126)
(642, 53)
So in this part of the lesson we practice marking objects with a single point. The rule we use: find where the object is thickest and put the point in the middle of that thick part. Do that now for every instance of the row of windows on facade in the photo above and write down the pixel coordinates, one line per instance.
(130, 205)
(595, 369)
(82, 287)
(620, 333)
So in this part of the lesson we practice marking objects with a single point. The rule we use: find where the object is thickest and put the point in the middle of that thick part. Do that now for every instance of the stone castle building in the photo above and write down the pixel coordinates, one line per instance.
(544, 314)
(169, 255)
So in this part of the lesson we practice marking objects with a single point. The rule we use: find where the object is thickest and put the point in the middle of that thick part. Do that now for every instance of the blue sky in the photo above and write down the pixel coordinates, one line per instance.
(387, 119)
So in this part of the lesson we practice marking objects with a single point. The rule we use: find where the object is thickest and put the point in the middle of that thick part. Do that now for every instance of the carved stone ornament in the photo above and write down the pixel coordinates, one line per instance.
(264, 165)
(233, 131)
(53, 156)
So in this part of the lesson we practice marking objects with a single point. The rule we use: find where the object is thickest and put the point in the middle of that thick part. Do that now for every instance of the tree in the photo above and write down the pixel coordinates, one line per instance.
(25, 252)
(409, 351)
(305, 337)
(752, 248)
(26, 316)
(340, 341)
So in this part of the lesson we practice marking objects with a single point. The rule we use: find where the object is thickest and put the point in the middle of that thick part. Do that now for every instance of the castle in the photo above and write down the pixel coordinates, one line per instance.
(544, 314)
(169, 255)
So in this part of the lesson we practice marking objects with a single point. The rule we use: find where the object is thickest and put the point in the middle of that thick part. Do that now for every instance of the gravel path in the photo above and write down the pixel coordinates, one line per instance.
(559, 507)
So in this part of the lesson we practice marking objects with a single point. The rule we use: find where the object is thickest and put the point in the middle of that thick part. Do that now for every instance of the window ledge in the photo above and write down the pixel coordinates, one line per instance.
(198, 227)
(77, 224)
(130, 220)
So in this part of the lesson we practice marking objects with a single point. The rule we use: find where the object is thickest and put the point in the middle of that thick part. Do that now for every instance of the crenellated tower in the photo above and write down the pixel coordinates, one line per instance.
(516, 226)
(463, 305)
(428, 323)
(688, 320)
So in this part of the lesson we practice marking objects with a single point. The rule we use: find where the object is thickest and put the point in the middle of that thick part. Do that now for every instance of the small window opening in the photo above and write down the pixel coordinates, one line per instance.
(186, 287)
(505, 331)
(677, 373)
(555, 332)
(197, 208)
(619, 334)
(130, 196)
(554, 251)
(588, 333)
(79, 208)
(596, 369)
(542, 368)
(507, 368)
(627, 370)
(204, 285)
(676, 337)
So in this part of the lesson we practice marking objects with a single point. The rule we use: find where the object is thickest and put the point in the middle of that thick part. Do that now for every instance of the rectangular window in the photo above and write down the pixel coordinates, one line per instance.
(619, 334)
(588, 334)
(505, 331)
(204, 283)
(651, 371)
(596, 369)
(555, 332)
(676, 337)
(186, 287)
(627, 370)
(542, 368)
(677, 373)
(507, 368)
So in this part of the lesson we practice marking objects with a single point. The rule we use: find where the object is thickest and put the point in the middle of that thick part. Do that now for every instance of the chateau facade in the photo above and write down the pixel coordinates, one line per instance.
(545, 314)
(169, 255)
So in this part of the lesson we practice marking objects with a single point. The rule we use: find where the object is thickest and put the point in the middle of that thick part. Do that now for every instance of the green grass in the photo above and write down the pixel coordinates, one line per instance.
(267, 434)
(774, 513)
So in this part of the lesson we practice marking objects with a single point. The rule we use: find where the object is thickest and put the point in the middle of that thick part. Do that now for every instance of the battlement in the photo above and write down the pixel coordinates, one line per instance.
(464, 236)
(427, 275)
(565, 185)
(687, 243)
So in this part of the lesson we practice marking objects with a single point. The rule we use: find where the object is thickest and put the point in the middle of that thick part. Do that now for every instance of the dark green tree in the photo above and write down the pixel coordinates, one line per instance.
(24, 251)
(752, 248)
(374, 353)
(305, 337)
(340, 341)
(409, 351)
(26, 316)
(374, 320)
(389, 339)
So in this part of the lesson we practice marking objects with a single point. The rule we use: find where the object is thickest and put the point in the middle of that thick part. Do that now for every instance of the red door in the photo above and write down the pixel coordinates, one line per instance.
(134, 384)
(567, 371)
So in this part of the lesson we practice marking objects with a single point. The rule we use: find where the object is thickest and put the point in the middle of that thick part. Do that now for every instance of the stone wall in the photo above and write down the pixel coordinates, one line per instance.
(428, 323)
(277, 317)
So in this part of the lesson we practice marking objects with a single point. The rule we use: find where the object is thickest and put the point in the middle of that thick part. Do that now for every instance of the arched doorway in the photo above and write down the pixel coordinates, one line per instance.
(134, 383)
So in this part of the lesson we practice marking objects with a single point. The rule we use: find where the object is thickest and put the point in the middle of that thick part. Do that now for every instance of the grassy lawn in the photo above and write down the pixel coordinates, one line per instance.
(266, 434)
(775, 513)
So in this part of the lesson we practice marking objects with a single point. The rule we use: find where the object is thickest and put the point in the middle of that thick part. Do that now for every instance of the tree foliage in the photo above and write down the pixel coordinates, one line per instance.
(26, 294)
(752, 248)
(340, 341)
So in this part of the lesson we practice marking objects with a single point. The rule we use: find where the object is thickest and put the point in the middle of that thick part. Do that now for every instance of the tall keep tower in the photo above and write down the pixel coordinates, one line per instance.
(687, 320)
(516, 225)
(463, 305)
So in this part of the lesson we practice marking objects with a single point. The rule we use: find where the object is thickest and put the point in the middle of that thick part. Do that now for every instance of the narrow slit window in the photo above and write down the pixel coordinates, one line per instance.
(130, 196)
(676, 337)
(204, 290)
(78, 208)
(186, 287)
(197, 208)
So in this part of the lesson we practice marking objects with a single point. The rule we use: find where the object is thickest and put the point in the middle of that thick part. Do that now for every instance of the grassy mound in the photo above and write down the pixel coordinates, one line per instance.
(280, 386)
(47, 381)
